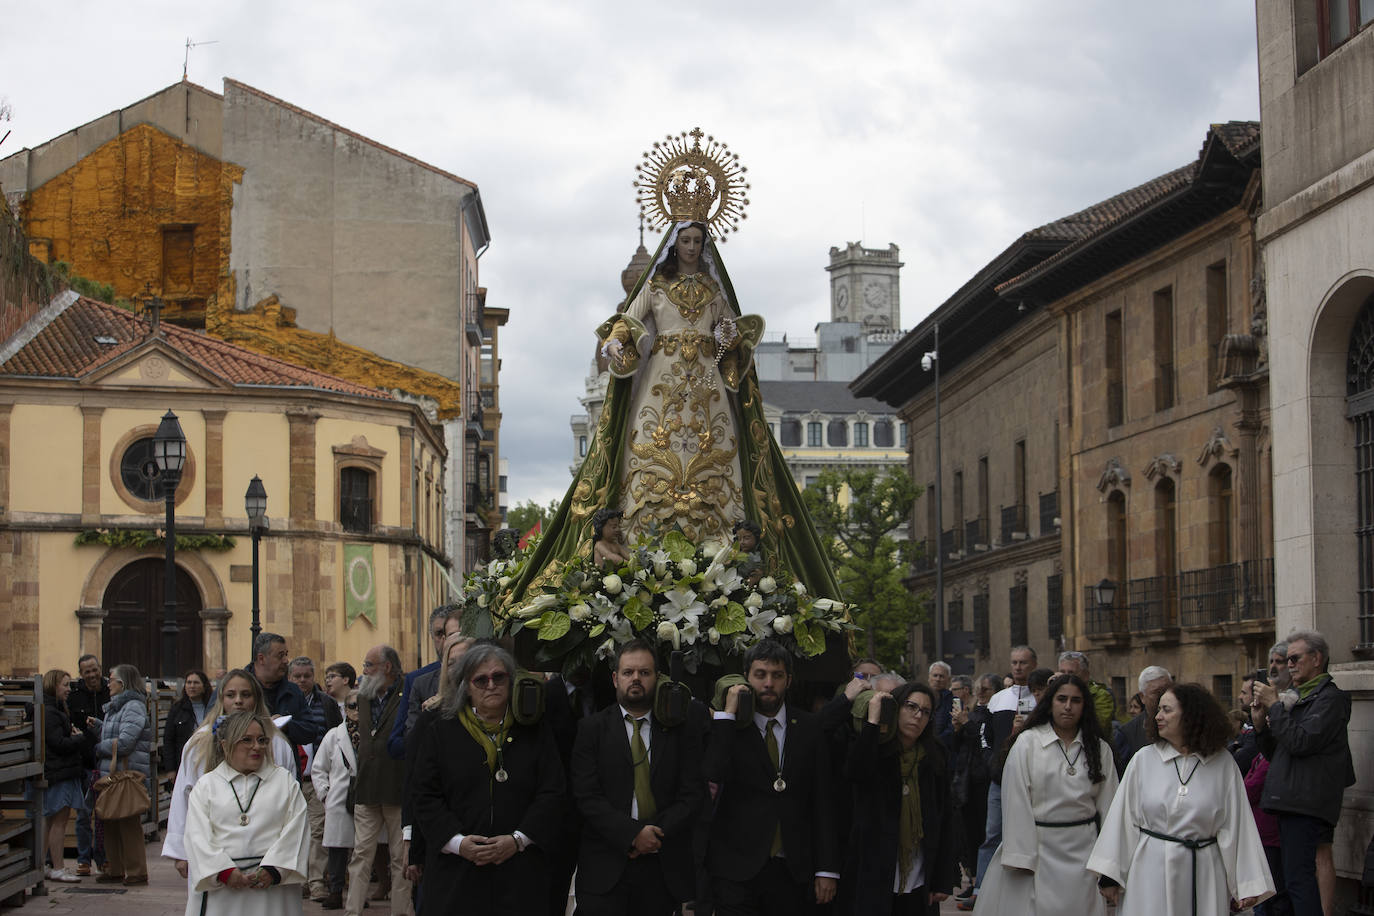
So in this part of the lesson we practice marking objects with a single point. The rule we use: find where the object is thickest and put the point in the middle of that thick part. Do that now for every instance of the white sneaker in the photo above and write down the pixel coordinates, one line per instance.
(62, 875)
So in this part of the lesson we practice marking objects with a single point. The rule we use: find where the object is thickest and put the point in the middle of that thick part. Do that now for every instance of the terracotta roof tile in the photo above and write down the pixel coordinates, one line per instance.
(1084, 223)
(88, 334)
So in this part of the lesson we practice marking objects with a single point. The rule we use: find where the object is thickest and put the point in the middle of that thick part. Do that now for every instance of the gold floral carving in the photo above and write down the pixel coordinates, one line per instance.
(680, 474)
(690, 294)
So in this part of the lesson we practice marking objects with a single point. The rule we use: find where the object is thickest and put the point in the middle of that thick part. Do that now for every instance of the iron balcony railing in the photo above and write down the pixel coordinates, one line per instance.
(1229, 593)
(976, 533)
(951, 542)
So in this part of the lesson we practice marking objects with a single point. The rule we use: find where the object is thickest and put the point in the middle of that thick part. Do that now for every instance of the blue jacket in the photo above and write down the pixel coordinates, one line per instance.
(126, 720)
(1309, 755)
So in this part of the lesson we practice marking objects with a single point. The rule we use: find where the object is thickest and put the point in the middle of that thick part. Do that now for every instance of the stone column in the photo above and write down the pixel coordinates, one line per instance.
(214, 468)
(90, 464)
(215, 634)
(302, 444)
(92, 636)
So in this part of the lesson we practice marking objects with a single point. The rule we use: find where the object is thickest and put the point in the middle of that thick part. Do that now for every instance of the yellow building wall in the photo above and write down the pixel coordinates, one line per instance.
(106, 215)
(331, 432)
(45, 459)
(116, 422)
(256, 442)
(62, 569)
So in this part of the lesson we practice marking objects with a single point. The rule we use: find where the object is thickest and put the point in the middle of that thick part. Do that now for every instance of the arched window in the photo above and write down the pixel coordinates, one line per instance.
(882, 433)
(791, 434)
(837, 434)
(1118, 567)
(1359, 402)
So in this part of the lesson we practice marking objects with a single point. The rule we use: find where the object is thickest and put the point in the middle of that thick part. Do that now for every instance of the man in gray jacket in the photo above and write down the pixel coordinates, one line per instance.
(1303, 733)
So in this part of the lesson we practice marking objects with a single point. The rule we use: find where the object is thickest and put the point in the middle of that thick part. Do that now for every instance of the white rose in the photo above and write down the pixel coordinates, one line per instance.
(799, 588)
(768, 585)
(754, 599)
(612, 584)
(713, 636)
(482, 600)
(667, 631)
(687, 567)
(580, 611)
(783, 624)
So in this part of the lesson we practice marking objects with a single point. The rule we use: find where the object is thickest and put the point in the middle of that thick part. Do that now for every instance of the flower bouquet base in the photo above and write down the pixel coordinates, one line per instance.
(710, 602)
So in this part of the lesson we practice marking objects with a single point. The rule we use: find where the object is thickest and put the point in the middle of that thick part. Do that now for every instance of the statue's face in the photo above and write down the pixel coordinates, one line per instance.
(747, 541)
(611, 530)
(689, 242)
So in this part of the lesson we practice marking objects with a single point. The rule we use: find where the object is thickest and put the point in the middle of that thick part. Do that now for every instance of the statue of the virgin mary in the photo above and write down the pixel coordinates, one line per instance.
(682, 442)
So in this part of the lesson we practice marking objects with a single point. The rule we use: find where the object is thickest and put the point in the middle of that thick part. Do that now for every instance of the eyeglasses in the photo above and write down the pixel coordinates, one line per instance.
(259, 741)
(1298, 656)
(490, 681)
(917, 710)
(353, 705)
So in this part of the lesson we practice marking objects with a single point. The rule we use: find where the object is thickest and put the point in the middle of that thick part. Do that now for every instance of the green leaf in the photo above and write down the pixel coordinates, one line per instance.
(553, 625)
(676, 545)
(731, 619)
(597, 630)
(810, 638)
(638, 613)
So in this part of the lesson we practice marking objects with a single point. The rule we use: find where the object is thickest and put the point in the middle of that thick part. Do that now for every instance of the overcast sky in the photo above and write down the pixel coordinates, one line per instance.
(947, 128)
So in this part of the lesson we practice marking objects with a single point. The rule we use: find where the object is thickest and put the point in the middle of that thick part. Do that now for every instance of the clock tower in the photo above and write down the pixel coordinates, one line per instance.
(864, 287)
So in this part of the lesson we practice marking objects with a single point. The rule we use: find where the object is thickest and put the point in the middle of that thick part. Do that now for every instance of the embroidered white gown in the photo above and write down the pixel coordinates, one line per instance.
(1036, 786)
(1157, 875)
(277, 834)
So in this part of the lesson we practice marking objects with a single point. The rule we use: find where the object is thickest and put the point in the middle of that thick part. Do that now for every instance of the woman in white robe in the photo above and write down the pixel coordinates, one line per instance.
(1057, 785)
(247, 834)
(1179, 839)
(332, 773)
(238, 691)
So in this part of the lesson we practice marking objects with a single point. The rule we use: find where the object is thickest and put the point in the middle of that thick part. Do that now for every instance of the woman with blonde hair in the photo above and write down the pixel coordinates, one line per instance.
(61, 767)
(247, 837)
(238, 691)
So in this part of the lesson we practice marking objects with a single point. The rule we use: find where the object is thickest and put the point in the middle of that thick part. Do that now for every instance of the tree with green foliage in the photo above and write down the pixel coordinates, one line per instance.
(856, 513)
(524, 516)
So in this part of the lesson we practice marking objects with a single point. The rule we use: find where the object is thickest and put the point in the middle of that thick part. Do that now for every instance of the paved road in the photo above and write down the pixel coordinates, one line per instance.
(164, 895)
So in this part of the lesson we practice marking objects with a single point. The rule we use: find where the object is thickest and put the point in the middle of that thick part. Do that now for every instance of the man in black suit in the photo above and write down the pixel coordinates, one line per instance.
(773, 846)
(639, 789)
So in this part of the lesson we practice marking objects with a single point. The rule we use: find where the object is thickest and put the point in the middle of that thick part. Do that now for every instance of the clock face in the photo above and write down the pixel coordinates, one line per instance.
(875, 294)
(841, 298)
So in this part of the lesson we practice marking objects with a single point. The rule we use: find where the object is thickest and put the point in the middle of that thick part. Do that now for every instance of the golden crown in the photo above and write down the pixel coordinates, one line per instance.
(682, 181)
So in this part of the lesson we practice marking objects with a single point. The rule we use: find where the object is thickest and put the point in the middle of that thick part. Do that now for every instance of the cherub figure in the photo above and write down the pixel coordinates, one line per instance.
(747, 535)
(607, 545)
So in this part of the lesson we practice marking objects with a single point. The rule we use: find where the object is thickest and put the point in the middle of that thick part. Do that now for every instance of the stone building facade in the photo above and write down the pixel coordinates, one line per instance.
(1316, 233)
(1058, 449)
(272, 227)
(352, 556)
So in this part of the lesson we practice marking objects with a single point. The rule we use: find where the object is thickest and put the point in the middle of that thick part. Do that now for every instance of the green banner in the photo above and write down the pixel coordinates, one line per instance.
(360, 584)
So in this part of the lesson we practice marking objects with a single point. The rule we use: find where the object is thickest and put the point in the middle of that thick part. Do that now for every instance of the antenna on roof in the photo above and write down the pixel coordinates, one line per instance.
(186, 61)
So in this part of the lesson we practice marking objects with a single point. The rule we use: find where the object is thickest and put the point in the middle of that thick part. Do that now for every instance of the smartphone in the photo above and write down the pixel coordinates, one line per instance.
(1262, 675)
(861, 675)
(958, 706)
(1025, 703)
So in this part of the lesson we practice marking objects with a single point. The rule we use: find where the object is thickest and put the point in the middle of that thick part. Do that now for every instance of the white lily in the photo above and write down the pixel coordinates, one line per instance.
(713, 636)
(681, 603)
(691, 631)
(761, 624)
(606, 649)
(799, 588)
(660, 560)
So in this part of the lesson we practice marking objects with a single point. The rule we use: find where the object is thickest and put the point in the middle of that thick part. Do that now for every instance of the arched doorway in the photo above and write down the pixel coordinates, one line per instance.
(132, 631)
(1359, 400)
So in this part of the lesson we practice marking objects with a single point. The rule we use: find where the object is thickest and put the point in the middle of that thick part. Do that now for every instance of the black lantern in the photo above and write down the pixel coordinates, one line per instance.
(169, 451)
(1104, 593)
(255, 502)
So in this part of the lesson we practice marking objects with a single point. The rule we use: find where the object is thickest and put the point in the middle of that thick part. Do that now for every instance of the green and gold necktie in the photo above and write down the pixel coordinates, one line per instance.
(644, 793)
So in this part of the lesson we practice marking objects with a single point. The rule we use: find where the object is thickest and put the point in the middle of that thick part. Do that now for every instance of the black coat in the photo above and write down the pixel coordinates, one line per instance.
(749, 811)
(83, 704)
(603, 787)
(62, 749)
(1309, 755)
(874, 772)
(454, 792)
(181, 725)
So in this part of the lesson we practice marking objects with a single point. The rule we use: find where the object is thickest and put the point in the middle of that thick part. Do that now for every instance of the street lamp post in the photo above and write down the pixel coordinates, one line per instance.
(169, 452)
(931, 361)
(255, 500)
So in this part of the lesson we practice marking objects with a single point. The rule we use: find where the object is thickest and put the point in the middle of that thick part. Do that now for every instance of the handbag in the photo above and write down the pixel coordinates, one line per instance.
(352, 783)
(122, 793)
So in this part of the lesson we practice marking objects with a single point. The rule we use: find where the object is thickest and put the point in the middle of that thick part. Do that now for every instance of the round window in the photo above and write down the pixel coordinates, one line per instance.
(139, 471)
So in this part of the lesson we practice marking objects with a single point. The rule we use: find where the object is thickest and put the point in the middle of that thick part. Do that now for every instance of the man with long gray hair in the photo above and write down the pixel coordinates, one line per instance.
(379, 784)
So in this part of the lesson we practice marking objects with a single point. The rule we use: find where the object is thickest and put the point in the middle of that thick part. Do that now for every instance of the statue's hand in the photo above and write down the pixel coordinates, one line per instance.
(614, 350)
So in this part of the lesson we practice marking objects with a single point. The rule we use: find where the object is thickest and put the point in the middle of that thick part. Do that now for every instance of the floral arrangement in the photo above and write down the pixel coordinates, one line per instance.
(710, 601)
(148, 537)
